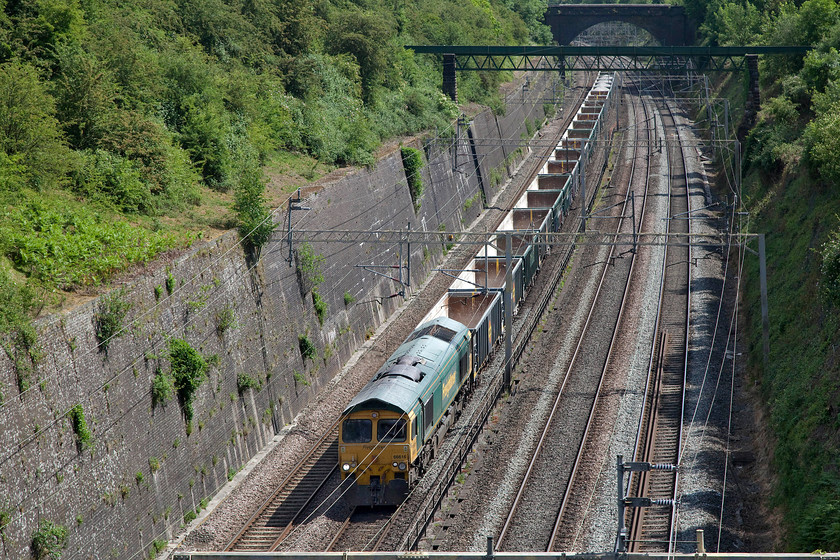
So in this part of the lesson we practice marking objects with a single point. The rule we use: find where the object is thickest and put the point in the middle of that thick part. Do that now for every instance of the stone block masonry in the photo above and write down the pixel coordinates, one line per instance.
(144, 469)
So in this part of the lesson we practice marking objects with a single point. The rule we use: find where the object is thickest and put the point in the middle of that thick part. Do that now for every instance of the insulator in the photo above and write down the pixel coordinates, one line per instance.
(663, 467)
(662, 502)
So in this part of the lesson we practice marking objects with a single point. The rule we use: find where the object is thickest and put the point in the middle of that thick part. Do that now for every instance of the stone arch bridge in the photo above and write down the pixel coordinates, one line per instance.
(668, 24)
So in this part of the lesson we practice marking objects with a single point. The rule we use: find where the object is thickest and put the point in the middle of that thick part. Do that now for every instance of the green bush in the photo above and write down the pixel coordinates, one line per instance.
(5, 519)
(348, 298)
(18, 337)
(309, 267)
(307, 349)
(320, 306)
(823, 149)
(777, 130)
(104, 176)
(412, 164)
(189, 370)
(109, 317)
(84, 436)
(225, 320)
(157, 546)
(49, 540)
(255, 219)
(245, 382)
(336, 127)
(830, 269)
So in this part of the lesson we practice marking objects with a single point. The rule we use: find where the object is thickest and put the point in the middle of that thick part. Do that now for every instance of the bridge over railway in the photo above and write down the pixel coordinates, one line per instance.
(666, 23)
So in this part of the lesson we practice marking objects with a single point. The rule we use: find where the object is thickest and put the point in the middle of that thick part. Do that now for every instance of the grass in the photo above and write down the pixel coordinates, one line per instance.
(799, 384)
(63, 245)
(287, 171)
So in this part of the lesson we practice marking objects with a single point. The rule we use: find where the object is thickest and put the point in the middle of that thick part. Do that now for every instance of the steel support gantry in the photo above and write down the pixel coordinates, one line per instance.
(606, 58)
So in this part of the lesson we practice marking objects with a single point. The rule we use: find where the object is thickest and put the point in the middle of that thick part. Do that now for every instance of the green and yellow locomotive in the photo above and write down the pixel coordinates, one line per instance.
(392, 428)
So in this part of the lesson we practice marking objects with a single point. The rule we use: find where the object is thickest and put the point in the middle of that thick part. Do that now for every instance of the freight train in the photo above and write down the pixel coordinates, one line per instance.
(391, 431)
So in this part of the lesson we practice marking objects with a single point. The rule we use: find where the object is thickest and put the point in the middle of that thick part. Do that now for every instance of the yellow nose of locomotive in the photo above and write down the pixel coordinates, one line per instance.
(375, 453)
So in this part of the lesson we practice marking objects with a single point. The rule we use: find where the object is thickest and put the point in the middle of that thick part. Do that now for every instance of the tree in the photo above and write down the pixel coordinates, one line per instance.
(735, 24)
(819, 68)
(366, 36)
(532, 13)
(85, 95)
(30, 136)
(805, 25)
(822, 140)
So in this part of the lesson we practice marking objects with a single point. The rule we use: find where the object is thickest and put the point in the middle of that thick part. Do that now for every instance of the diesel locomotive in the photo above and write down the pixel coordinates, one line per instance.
(391, 429)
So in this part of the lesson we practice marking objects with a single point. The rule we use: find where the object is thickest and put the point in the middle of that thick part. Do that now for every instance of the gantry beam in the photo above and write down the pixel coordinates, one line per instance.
(591, 237)
(609, 58)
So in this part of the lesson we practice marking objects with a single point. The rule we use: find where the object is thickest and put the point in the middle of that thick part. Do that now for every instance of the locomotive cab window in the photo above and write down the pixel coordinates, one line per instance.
(356, 430)
(389, 430)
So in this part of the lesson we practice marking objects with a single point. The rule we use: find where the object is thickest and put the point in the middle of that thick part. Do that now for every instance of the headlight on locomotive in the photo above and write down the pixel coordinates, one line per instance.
(403, 466)
(345, 467)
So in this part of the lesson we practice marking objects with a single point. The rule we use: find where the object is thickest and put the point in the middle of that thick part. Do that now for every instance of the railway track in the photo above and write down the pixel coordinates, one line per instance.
(660, 431)
(599, 428)
(573, 415)
(362, 530)
(277, 516)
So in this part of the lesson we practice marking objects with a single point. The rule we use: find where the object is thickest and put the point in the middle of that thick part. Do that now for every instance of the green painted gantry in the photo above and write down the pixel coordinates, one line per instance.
(608, 59)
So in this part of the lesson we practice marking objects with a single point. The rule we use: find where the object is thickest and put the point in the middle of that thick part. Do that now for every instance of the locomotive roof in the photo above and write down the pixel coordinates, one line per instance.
(410, 370)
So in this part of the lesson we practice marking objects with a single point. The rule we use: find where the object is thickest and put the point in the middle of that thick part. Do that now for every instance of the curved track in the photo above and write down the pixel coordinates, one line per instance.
(660, 433)
(550, 476)
(599, 427)
(405, 535)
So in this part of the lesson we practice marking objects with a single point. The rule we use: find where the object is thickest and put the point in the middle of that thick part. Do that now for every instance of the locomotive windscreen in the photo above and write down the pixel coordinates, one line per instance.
(390, 430)
(356, 430)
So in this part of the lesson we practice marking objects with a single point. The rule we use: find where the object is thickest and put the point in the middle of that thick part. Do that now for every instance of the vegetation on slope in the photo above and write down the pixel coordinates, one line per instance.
(128, 127)
(791, 179)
